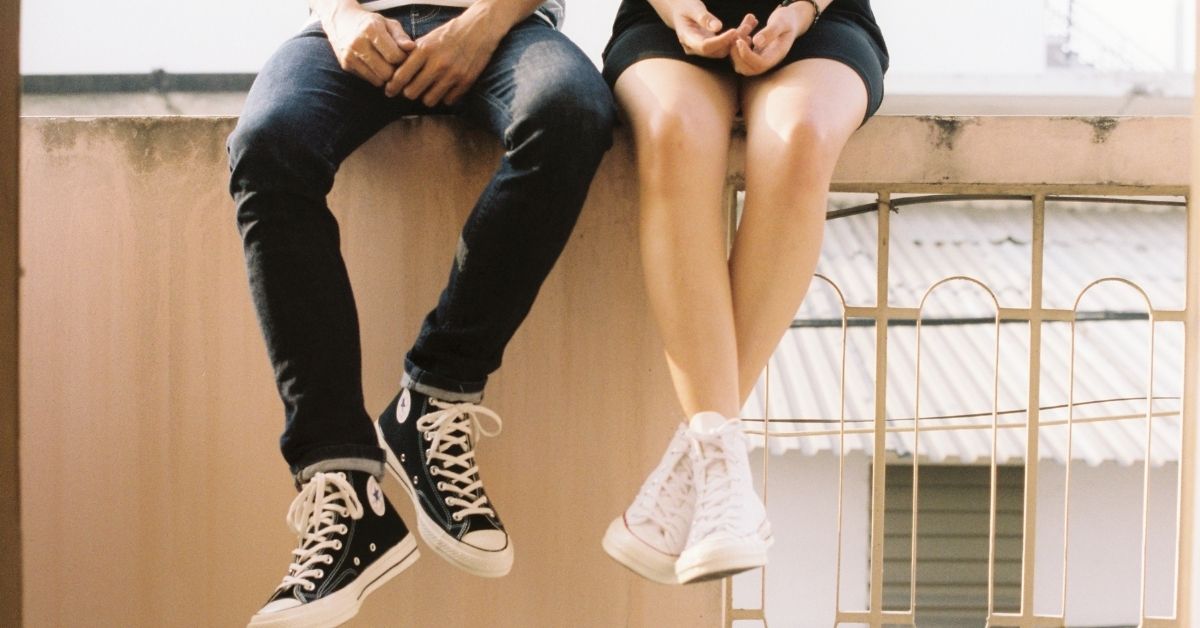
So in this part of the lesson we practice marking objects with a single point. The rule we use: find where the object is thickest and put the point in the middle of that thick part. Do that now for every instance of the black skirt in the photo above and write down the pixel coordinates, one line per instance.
(846, 32)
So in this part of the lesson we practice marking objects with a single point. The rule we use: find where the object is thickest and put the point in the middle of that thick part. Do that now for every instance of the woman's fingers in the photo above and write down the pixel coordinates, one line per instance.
(698, 39)
(747, 26)
(746, 61)
(707, 21)
(718, 46)
(766, 36)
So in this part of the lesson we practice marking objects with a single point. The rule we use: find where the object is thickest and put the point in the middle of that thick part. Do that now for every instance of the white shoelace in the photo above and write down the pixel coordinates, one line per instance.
(458, 424)
(666, 495)
(313, 515)
(715, 510)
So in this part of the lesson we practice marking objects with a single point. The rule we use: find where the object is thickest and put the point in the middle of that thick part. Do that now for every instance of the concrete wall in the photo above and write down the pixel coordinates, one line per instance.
(153, 494)
(10, 503)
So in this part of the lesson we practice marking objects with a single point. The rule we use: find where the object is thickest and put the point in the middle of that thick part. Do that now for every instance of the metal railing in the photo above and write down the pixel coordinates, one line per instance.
(1036, 315)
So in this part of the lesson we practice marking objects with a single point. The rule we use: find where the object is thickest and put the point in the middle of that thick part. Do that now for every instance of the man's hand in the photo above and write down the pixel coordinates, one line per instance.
(446, 62)
(367, 44)
(770, 45)
(699, 31)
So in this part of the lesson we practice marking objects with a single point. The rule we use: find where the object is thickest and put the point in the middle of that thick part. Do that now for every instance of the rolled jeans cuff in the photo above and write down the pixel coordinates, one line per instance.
(364, 458)
(441, 388)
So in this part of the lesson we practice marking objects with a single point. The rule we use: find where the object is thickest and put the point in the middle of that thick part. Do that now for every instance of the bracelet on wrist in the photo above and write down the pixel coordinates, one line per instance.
(816, 7)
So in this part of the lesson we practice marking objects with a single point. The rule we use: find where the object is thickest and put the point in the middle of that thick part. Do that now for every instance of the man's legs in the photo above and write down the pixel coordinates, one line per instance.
(553, 113)
(303, 116)
(543, 98)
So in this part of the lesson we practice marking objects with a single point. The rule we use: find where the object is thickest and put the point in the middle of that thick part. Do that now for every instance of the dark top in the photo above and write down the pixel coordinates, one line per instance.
(730, 12)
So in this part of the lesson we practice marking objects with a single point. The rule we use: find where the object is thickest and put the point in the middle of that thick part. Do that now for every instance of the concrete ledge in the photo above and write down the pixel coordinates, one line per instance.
(915, 153)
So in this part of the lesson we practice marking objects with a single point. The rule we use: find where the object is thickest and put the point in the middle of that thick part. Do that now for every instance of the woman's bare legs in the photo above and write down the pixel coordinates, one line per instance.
(798, 119)
(681, 117)
(721, 318)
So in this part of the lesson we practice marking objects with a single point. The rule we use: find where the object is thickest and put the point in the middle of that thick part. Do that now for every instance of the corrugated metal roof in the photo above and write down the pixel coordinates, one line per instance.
(991, 241)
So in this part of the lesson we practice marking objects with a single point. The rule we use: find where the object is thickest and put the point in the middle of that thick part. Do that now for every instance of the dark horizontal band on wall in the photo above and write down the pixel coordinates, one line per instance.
(157, 81)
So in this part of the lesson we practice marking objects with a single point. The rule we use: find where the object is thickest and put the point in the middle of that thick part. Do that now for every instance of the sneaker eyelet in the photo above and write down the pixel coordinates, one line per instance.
(337, 545)
(456, 517)
(372, 547)
(428, 453)
(415, 480)
(402, 458)
(435, 470)
(441, 486)
(345, 530)
(428, 436)
(309, 587)
(320, 573)
(446, 501)
(356, 561)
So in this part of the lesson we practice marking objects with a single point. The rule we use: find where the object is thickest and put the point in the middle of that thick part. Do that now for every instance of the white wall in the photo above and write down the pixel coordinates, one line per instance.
(938, 37)
(1104, 554)
(1104, 549)
(802, 505)
(964, 36)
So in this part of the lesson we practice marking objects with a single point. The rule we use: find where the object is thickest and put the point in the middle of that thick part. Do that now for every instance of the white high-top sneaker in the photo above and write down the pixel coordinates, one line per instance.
(729, 531)
(653, 531)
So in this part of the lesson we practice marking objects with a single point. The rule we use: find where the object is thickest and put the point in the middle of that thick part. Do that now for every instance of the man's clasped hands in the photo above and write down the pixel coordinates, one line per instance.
(439, 68)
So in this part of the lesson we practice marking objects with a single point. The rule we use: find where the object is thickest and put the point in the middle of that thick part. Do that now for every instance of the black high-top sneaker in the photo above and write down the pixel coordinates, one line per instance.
(430, 447)
(351, 542)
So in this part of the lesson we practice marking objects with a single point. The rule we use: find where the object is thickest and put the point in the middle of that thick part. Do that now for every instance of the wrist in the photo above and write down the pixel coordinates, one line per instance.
(804, 11)
(493, 19)
(327, 10)
(685, 10)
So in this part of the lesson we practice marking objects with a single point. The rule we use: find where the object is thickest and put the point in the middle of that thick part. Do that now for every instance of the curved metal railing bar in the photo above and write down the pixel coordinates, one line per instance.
(917, 440)
(1149, 414)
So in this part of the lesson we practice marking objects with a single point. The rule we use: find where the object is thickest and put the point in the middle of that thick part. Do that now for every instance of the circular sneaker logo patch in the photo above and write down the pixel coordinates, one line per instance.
(375, 496)
(403, 406)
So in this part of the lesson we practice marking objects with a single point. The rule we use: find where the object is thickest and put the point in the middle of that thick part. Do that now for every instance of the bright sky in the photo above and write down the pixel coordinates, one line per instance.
(925, 36)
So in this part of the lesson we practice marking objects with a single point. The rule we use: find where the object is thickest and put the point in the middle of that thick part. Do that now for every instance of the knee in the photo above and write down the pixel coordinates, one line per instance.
(675, 134)
(569, 123)
(269, 152)
(812, 140)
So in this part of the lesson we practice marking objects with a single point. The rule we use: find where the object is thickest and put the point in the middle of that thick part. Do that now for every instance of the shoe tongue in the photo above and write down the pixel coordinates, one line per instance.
(707, 422)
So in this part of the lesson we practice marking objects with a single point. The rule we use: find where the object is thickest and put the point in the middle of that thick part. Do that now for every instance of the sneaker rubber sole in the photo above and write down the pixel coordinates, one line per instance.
(488, 564)
(720, 558)
(635, 555)
(341, 606)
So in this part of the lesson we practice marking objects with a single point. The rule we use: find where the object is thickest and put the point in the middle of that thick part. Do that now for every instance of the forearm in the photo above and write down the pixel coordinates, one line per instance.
(501, 15)
(666, 9)
(805, 9)
(326, 9)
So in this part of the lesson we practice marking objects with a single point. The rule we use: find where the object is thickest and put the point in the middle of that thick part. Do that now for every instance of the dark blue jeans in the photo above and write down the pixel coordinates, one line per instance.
(541, 97)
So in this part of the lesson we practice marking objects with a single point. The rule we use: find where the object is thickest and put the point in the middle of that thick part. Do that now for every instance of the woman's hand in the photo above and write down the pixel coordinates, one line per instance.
(366, 44)
(753, 56)
(700, 31)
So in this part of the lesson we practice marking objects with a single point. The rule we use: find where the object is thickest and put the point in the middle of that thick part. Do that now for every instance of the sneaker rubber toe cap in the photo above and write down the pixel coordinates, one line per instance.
(279, 606)
(487, 540)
